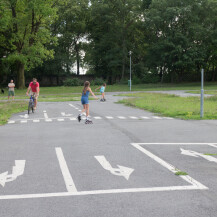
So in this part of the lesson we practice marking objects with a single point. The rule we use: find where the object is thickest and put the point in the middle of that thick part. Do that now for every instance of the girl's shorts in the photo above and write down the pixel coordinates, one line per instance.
(84, 100)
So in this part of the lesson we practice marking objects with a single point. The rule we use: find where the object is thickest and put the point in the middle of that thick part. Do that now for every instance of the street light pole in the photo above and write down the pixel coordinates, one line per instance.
(202, 94)
(130, 70)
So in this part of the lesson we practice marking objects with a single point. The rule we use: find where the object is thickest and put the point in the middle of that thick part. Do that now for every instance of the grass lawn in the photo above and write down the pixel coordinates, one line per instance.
(187, 108)
(45, 91)
(9, 108)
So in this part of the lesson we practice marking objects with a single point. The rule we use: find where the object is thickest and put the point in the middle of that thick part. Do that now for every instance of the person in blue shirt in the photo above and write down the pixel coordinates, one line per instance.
(85, 102)
(102, 91)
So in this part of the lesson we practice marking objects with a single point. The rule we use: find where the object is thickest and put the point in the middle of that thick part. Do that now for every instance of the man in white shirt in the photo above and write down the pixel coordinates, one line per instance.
(11, 87)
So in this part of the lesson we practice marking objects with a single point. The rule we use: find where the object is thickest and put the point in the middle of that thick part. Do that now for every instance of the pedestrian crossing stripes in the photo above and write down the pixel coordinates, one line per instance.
(38, 120)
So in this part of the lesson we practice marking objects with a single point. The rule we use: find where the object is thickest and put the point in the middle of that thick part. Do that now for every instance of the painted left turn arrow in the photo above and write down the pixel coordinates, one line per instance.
(17, 170)
(120, 171)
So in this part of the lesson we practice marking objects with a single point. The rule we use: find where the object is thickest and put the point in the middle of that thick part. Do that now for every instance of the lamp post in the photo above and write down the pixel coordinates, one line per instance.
(202, 94)
(130, 69)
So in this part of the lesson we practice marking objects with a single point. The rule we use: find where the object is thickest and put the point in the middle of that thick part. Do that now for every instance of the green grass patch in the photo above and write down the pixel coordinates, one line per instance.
(210, 154)
(181, 173)
(9, 108)
(187, 108)
(62, 90)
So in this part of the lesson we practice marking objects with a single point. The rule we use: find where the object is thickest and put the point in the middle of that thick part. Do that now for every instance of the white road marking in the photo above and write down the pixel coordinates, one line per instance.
(97, 118)
(48, 120)
(132, 117)
(24, 116)
(121, 117)
(169, 166)
(156, 117)
(23, 122)
(169, 118)
(109, 117)
(177, 143)
(36, 121)
(120, 171)
(45, 115)
(70, 185)
(65, 115)
(197, 154)
(145, 117)
(11, 122)
(60, 119)
(79, 110)
(99, 192)
(73, 119)
(17, 170)
(213, 145)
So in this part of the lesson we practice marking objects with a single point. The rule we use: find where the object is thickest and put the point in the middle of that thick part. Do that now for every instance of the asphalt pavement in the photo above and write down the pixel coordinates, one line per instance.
(124, 164)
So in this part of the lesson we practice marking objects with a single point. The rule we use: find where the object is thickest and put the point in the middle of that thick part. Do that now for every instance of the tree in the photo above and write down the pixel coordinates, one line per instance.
(27, 34)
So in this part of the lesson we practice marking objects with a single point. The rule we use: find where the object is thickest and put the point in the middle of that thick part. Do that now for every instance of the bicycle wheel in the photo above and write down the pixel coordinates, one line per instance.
(29, 108)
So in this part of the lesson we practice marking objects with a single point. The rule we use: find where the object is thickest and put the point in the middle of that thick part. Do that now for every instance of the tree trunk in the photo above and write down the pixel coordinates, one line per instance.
(20, 76)
(78, 65)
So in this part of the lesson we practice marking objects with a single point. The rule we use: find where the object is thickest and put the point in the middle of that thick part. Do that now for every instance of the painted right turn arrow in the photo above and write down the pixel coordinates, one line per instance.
(120, 171)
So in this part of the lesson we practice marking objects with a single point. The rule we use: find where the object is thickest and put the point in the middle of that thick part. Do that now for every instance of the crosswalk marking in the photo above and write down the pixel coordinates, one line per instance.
(121, 117)
(109, 117)
(36, 121)
(132, 117)
(48, 120)
(61, 119)
(11, 122)
(155, 117)
(145, 117)
(97, 118)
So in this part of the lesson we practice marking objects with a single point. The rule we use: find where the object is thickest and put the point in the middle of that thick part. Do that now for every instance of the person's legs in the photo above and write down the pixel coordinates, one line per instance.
(9, 93)
(13, 95)
(87, 110)
(103, 95)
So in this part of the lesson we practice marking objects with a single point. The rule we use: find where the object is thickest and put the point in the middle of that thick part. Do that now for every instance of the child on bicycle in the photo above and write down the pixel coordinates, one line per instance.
(85, 102)
(102, 91)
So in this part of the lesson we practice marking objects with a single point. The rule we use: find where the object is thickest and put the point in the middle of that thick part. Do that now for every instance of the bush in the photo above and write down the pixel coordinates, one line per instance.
(97, 81)
(72, 82)
(136, 80)
(150, 78)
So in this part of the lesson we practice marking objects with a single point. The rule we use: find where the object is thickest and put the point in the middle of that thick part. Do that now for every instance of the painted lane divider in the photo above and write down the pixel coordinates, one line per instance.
(109, 117)
(17, 170)
(121, 117)
(70, 185)
(46, 117)
(120, 171)
(196, 154)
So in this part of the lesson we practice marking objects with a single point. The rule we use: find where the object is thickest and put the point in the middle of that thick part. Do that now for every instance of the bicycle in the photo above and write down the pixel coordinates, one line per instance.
(31, 103)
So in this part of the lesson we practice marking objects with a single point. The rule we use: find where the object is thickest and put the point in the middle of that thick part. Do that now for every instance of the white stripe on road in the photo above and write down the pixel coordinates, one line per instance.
(145, 117)
(97, 118)
(45, 115)
(70, 185)
(73, 119)
(99, 192)
(11, 122)
(23, 122)
(109, 117)
(36, 121)
(48, 120)
(156, 117)
(132, 117)
(60, 119)
(121, 117)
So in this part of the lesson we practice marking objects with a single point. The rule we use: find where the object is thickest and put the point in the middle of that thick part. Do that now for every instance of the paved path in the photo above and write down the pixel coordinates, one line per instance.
(122, 165)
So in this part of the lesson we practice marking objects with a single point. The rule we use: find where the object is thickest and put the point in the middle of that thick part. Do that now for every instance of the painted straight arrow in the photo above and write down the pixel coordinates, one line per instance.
(120, 171)
(197, 154)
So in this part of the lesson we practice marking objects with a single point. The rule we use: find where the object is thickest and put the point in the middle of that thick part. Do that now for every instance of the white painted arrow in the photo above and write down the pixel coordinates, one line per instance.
(196, 154)
(66, 115)
(120, 171)
(17, 170)
(24, 116)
